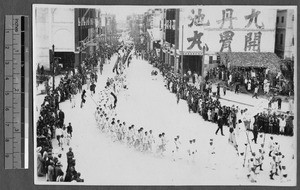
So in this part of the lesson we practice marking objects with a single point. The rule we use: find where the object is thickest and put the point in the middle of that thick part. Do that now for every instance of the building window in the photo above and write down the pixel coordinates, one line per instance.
(281, 39)
(276, 38)
(293, 41)
(293, 18)
(277, 20)
(282, 19)
(210, 59)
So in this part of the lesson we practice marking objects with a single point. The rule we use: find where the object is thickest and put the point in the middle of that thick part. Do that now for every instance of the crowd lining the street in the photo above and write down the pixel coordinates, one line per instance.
(199, 99)
(145, 141)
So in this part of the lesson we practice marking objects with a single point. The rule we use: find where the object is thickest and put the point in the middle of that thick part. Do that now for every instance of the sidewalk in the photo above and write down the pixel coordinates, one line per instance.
(246, 100)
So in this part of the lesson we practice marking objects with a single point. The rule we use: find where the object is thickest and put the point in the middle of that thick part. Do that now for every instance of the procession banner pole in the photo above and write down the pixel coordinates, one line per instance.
(245, 155)
(93, 100)
(249, 141)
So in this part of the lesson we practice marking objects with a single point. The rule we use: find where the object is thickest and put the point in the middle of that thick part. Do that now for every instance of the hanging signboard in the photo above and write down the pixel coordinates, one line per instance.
(227, 29)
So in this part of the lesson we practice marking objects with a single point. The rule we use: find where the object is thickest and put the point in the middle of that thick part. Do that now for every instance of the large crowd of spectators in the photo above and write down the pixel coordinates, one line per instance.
(250, 78)
(51, 124)
(202, 100)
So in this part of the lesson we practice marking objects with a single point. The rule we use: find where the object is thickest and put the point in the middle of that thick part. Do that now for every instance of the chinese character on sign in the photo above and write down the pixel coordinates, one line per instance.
(227, 16)
(226, 38)
(254, 44)
(197, 19)
(196, 40)
(254, 14)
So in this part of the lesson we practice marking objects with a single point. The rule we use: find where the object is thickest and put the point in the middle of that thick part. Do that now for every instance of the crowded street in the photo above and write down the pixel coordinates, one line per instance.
(122, 104)
(147, 103)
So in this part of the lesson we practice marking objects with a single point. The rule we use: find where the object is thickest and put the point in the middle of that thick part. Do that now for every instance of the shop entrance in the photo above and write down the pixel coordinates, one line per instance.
(192, 62)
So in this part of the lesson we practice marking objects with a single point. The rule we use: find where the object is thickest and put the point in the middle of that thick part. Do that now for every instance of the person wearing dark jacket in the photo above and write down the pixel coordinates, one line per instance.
(82, 98)
(61, 116)
(92, 88)
(220, 126)
(255, 131)
(70, 129)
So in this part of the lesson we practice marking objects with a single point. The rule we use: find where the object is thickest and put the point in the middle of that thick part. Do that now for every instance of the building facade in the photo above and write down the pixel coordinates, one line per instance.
(54, 26)
(285, 39)
(86, 31)
(194, 36)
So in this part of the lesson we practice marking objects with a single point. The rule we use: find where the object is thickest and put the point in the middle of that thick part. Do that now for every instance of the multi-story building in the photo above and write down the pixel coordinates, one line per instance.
(153, 23)
(85, 33)
(54, 26)
(285, 39)
(71, 31)
(170, 36)
(196, 38)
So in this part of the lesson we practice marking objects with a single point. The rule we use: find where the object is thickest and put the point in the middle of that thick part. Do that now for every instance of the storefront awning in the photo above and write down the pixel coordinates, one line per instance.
(257, 60)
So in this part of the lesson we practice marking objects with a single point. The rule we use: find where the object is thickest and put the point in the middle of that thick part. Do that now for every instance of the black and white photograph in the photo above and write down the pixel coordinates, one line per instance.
(164, 95)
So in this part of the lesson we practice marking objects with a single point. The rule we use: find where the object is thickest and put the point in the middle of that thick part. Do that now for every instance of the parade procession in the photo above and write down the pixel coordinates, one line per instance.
(165, 95)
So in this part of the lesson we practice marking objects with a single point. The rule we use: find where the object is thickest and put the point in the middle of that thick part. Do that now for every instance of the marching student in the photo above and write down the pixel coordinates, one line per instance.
(251, 168)
(260, 158)
(163, 143)
(145, 142)
(284, 173)
(178, 145)
(211, 155)
(150, 141)
(195, 151)
(273, 167)
(159, 145)
(190, 151)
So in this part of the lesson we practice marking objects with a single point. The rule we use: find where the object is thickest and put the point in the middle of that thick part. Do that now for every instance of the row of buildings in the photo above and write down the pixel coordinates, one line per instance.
(200, 37)
(75, 33)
